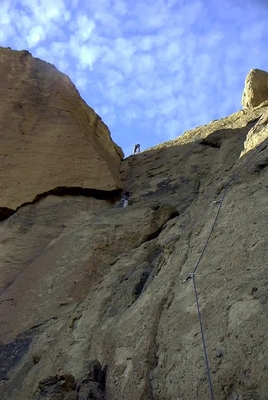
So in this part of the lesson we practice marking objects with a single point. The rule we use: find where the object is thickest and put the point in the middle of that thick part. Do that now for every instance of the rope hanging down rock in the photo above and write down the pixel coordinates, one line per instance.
(191, 276)
(203, 340)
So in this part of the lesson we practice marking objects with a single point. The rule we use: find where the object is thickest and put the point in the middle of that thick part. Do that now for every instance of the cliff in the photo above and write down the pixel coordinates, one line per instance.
(50, 139)
(98, 302)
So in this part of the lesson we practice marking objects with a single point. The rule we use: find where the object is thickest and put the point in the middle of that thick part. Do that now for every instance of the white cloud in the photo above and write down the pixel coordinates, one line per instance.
(64, 66)
(24, 22)
(85, 27)
(114, 77)
(81, 82)
(45, 11)
(59, 49)
(140, 93)
(7, 27)
(145, 43)
(35, 35)
(124, 47)
(108, 114)
(5, 18)
(130, 115)
(6, 33)
(88, 56)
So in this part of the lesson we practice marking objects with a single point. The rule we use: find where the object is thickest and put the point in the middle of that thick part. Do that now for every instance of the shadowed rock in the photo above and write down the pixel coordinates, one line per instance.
(58, 387)
(93, 385)
(65, 387)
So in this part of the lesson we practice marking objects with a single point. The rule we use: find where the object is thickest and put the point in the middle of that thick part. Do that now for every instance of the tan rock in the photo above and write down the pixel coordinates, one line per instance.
(49, 137)
(256, 88)
(90, 253)
(257, 134)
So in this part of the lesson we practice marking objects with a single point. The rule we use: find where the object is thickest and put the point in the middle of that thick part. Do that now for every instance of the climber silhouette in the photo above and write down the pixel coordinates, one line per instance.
(137, 148)
(125, 199)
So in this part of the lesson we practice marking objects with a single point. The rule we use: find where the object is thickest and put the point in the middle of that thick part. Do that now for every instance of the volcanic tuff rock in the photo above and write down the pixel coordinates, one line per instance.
(257, 134)
(256, 88)
(92, 301)
(65, 387)
(49, 138)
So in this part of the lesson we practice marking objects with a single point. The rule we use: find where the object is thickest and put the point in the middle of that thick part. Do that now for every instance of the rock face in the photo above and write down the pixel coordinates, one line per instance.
(256, 88)
(50, 139)
(257, 134)
(96, 302)
(90, 246)
(65, 387)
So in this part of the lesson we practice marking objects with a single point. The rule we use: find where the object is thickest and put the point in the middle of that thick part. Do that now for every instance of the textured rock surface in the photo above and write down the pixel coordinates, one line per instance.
(49, 137)
(256, 88)
(83, 281)
(71, 265)
(65, 387)
(257, 134)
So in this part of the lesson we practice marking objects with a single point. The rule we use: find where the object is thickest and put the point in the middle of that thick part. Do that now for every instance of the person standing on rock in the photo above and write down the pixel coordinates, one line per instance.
(125, 199)
(137, 148)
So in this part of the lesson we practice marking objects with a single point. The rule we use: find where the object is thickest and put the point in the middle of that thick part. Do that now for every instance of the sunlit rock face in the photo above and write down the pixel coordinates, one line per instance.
(93, 304)
(49, 137)
(256, 88)
(257, 134)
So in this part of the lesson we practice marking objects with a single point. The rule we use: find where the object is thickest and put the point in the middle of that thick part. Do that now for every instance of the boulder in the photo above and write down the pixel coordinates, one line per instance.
(50, 138)
(256, 88)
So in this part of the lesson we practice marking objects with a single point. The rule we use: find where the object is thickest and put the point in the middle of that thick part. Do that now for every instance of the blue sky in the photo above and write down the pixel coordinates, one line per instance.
(150, 68)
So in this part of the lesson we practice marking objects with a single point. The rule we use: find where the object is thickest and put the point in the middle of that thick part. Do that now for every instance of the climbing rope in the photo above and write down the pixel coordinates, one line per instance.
(203, 340)
(191, 276)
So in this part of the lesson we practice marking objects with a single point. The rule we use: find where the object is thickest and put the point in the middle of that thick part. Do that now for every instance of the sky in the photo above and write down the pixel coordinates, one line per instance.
(151, 69)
